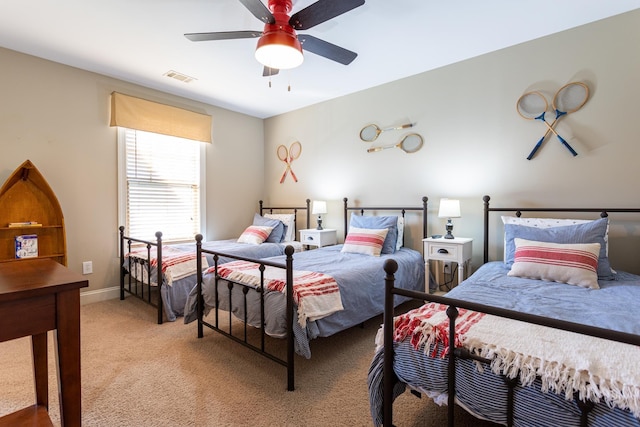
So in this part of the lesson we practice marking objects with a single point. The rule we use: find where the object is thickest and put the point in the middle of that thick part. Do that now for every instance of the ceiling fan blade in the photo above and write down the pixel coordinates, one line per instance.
(259, 10)
(223, 35)
(268, 71)
(326, 49)
(321, 11)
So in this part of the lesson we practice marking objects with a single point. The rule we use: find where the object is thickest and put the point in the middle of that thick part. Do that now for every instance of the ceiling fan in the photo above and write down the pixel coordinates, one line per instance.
(279, 46)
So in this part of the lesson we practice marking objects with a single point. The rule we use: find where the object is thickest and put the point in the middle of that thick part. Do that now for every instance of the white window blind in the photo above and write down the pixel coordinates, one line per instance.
(162, 186)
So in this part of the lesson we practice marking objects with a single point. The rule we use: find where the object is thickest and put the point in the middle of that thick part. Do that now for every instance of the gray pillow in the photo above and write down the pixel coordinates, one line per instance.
(277, 234)
(378, 222)
(590, 232)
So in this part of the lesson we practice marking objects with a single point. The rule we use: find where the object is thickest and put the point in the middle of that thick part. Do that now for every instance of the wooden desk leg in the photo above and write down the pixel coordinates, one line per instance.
(67, 337)
(40, 369)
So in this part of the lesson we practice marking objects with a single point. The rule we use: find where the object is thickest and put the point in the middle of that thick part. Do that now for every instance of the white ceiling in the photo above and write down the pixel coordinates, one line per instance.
(140, 40)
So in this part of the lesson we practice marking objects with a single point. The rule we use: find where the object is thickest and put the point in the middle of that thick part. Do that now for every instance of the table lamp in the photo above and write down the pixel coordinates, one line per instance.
(319, 208)
(449, 208)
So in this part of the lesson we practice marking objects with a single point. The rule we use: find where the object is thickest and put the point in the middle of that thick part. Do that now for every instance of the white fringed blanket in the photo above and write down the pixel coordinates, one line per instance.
(176, 264)
(566, 362)
(317, 295)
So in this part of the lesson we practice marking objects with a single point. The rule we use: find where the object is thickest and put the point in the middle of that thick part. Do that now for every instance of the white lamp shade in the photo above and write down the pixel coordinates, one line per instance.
(319, 207)
(449, 208)
(280, 50)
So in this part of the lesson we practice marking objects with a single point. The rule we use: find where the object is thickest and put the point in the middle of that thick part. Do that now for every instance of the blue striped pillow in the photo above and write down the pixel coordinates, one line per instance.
(591, 232)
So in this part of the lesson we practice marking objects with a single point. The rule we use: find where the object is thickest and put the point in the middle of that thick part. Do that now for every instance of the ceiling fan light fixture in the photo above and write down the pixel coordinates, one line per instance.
(279, 50)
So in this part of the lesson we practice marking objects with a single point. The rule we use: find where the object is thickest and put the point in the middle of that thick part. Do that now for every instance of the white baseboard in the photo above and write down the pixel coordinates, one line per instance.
(99, 295)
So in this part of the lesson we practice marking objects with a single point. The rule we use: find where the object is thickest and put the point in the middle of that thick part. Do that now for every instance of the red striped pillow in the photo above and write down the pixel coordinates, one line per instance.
(574, 264)
(366, 241)
(255, 234)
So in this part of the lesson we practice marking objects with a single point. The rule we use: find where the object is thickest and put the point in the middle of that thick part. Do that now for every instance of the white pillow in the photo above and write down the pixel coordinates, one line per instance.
(542, 222)
(400, 232)
(289, 220)
(367, 241)
(570, 263)
(255, 234)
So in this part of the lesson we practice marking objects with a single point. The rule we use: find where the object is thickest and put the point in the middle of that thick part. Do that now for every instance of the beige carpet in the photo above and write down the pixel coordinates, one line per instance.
(138, 373)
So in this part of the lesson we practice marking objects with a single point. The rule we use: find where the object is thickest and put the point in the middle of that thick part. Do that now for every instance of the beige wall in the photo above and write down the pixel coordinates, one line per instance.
(58, 117)
(475, 142)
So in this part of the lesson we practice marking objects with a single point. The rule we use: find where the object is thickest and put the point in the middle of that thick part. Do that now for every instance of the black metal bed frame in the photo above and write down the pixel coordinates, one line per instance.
(143, 289)
(136, 287)
(389, 377)
(287, 362)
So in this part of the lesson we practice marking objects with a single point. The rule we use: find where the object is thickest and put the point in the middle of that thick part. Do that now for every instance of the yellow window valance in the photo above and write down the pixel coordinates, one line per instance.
(140, 114)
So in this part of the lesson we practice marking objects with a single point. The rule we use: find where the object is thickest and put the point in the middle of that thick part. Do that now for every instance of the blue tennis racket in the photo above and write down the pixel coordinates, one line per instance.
(568, 99)
(533, 106)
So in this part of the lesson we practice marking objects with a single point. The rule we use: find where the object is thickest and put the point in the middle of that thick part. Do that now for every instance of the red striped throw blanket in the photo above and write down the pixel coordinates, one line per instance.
(176, 264)
(316, 294)
(566, 362)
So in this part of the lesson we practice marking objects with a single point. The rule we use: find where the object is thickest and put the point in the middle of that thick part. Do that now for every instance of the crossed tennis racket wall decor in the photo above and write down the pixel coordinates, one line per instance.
(288, 155)
(410, 143)
(568, 99)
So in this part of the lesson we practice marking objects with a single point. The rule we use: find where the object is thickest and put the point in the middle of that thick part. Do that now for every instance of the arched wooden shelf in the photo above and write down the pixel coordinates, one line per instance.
(26, 196)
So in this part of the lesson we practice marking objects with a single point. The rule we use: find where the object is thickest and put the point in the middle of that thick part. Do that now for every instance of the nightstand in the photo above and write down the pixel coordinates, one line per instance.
(319, 238)
(456, 250)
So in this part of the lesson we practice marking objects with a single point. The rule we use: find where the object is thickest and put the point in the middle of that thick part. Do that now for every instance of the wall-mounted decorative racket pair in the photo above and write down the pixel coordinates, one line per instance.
(410, 143)
(568, 99)
(288, 155)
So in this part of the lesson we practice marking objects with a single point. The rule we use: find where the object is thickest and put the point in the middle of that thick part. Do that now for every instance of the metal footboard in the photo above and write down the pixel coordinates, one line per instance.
(141, 288)
(216, 323)
(389, 377)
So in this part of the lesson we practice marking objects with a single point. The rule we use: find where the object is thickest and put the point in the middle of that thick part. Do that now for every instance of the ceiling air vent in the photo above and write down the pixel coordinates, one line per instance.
(179, 76)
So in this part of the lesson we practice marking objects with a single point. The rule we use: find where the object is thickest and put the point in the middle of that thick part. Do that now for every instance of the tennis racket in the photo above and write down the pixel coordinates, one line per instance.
(409, 144)
(533, 106)
(569, 99)
(370, 133)
(288, 156)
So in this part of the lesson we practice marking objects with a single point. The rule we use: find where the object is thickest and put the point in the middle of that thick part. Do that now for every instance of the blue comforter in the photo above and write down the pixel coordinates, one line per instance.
(614, 306)
(359, 277)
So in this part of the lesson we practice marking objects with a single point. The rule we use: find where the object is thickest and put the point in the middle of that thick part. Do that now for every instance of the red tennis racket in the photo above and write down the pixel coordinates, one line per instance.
(288, 156)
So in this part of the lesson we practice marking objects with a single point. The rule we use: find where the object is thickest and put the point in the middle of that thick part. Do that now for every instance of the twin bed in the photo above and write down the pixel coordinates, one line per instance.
(315, 293)
(139, 258)
(547, 336)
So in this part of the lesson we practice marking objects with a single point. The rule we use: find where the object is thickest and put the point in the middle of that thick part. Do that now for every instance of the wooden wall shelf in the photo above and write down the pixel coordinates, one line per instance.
(26, 196)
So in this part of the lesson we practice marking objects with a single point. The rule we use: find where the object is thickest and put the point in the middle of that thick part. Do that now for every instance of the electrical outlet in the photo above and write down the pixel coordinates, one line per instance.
(447, 267)
(87, 267)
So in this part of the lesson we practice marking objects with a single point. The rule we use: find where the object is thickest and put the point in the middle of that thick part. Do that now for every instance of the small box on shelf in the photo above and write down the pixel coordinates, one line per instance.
(26, 246)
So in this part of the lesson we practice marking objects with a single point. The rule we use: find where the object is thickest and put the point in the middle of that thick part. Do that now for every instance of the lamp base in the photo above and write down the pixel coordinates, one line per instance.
(449, 228)
(319, 227)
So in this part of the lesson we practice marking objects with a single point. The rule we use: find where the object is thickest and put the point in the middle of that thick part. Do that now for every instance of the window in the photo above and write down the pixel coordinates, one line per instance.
(161, 185)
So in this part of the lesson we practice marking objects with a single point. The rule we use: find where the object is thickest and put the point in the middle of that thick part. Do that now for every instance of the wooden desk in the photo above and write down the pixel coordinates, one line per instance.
(38, 295)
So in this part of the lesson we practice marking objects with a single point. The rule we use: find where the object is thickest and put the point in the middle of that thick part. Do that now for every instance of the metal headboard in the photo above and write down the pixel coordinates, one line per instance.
(604, 212)
(402, 210)
(295, 210)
